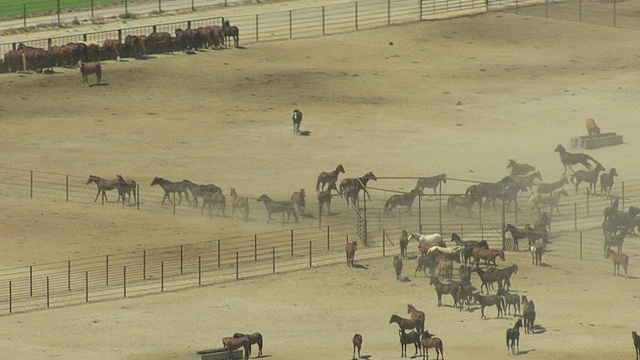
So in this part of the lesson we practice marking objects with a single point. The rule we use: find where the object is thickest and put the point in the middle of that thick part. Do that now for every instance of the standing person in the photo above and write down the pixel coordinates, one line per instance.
(297, 119)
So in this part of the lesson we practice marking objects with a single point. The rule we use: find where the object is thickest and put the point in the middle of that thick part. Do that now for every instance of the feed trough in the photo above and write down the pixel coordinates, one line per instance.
(596, 141)
(215, 354)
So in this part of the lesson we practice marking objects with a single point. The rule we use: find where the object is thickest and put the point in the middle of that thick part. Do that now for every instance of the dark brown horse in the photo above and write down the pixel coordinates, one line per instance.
(327, 178)
(126, 187)
(357, 344)
(401, 200)
(404, 243)
(170, 187)
(113, 49)
(431, 182)
(569, 159)
(278, 207)
(255, 338)
(590, 177)
(429, 341)
(520, 169)
(324, 197)
(232, 343)
(104, 185)
(606, 181)
(213, 200)
(359, 183)
(417, 316)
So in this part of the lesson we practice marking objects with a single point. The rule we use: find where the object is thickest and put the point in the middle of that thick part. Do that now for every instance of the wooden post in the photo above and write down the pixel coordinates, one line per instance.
(356, 12)
(237, 265)
(310, 253)
(10, 298)
(255, 247)
(580, 245)
(199, 270)
(31, 183)
(588, 192)
(47, 292)
(218, 253)
(290, 25)
(328, 241)
(161, 276)
(106, 272)
(257, 32)
(69, 275)
(291, 241)
(388, 12)
(181, 259)
(144, 264)
(124, 281)
(273, 256)
(575, 216)
(323, 22)
(384, 240)
(31, 281)
(67, 188)
(86, 286)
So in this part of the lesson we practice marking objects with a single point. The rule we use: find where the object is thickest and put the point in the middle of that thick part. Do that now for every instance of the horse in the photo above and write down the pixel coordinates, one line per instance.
(509, 300)
(278, 207)
(513, 337)
(417, 316)
(465, 292)
(592, 128)
(569, 159)
(239, 203)
(536, 249)
(199, 190)
(406, 339)
(503, 276)
(488, 255)
(297, 198)
(255, 338)
(426, 241)
(231, 32)
(487, 278)
(431, 182)
(401, 200)
(606, 181)
(520, 169)
(517, 234)
(425, 262)
(134, 46)
(468, 246)
(552, 200)
(397, 265)
(491, 191)
(590, 177)
(429, 341)
(359, 183)
(404, 244)
(528, 314)
(324, 197)
(404, 324)
(465, 201)
(526, 181)
(326, 178)
(232, 343)
(350, 250)
(616, 240)
(112, 49)
(442, 288)
(636, 343)
(489, 300)
(351, 194)
(357, 344)
(90, 68)
(104, 185)
(618, 259)
(126, 187)
(545, 188)
(171, 187)
(213, 199)
(158, 42)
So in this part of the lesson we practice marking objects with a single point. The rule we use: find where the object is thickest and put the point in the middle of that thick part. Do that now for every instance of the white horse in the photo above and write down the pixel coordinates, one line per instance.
(426, 239)
(445, 250)
(552, 199)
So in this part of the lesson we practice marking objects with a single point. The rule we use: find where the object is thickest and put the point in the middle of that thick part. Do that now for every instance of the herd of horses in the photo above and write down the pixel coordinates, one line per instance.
(136, 46)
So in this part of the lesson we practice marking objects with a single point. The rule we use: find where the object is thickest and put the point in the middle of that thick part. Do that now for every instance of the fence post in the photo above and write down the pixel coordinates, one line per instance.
(181, 259)
(323, 21)
(290, 25)
(58, 12)
(161, 276)
(174, 203)
(623, 195)
(67, 188)
(24, 15)
(440, 202)
(218, 253)
(546, 8)
(137, 196)
(159, 11)
(144, 264)
(237, 265)
(31, 185)
(319, 216)
(388, 12)
(384, 240)
(516, 7)
(588, 192)
(31, 281)
(47, 292)
(379, 220)
(199, 270)
(69, 275)
(310, 253)
(291, 241)
(255, 247)
(91, 9)
(107, 271)
(575, 216)
(419, 214)
(614, 13)
(124, 281)
(580, 245)
(126, 8)
(356, 11)
(328, 242)
(193, 6)
(580, 10)
(10, 298)
(257, 37)
(86, 286)
(420, 9)
(273, 256)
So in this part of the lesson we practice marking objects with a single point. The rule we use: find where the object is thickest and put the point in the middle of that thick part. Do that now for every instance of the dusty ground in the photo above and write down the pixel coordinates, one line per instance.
(458, 96)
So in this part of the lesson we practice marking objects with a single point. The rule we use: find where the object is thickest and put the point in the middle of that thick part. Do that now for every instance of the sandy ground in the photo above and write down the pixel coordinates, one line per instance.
(458, 96)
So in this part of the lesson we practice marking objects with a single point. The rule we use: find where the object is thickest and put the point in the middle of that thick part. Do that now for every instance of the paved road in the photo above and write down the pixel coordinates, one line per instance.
(141, 8)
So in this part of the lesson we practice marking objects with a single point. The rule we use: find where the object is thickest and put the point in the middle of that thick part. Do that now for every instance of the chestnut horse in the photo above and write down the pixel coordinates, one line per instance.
(255, 338)
(231, 343)
(324, 197)
(90, 68)
(417, 316)
(239, 203)
(520, 169)
(592, 128)
(350, 249)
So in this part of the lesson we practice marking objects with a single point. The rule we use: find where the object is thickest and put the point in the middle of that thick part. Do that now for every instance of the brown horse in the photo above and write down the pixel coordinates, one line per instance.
(90, 68)
(213, 200)
(397, 265)
(404, 244)
(326, 178)
(231, 343)
(239, 203)
(350, 250)
(606, 181)
(465, 201)
(618, 259)
(417, 316)
(546, 188)
(126, 187)
(401, 200)
(428, 341)
(404, 324)
(590, 177)
(488, 255)
(255, 338)
(442, 288)
(528, 314)
(431, 182)
(520, 169)
(112, 49)
(526, 181)
(537, 249)
(324, 197)
(357, 344)
(489, 300)
(298, 200)
(359, 183)
(103, 185)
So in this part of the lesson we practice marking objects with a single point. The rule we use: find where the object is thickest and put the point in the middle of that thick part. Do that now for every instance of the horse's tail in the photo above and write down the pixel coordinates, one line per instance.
(592, 159)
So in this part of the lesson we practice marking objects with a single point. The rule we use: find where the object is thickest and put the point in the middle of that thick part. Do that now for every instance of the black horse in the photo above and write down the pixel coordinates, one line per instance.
(278, 207)
(231, 32)
(199, 190)
(171, 187)
(513, 337)
(569, 159)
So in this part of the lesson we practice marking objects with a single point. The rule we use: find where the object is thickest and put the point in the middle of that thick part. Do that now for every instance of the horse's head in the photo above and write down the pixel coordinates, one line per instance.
(302, 194)
(537, 175)
(340, 168)
(371, 176)
(559, 149)
(563, 192)
(92, 178)
(443, 178)
(157, 181)
(263, 197)
(613, 172)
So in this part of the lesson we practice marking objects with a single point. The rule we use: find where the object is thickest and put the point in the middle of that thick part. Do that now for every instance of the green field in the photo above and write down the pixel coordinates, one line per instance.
(12, 8)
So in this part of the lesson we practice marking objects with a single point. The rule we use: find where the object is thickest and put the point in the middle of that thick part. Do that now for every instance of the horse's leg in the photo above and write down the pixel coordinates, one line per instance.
(97, 194)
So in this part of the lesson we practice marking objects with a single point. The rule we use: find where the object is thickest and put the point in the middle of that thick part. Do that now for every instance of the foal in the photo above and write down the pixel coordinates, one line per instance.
(513, 337)
(429, 341)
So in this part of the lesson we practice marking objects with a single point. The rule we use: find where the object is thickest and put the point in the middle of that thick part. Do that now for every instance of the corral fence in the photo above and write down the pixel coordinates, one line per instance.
(576, 233)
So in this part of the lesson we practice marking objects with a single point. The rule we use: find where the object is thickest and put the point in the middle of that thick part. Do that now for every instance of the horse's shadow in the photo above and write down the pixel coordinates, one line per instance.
(358, 266)
(537, 329)
(545, 265)
(304, 133)
(524, 352)
(405, 279)
(101, 84)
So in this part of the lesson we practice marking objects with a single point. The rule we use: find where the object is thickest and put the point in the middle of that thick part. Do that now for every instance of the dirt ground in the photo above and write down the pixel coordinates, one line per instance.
(459, 96)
